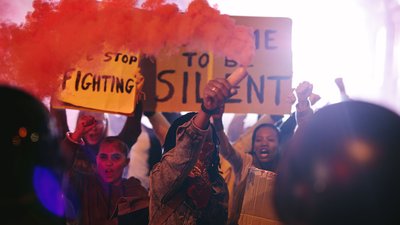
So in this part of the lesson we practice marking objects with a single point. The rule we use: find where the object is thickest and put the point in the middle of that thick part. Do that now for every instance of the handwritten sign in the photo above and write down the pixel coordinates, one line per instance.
(108, 83)
(181, 78)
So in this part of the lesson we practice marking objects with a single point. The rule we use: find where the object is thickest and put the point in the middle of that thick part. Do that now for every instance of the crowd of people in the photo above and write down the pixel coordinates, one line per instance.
(335, 165)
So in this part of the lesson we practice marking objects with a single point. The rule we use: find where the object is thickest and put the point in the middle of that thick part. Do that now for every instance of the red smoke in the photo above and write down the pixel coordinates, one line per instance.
(57, 34)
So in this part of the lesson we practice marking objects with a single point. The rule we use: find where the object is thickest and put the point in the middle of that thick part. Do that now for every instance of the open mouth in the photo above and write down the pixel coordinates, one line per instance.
(264, 153)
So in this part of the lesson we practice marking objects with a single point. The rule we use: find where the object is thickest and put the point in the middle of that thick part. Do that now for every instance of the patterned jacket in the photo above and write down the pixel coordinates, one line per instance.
(169, 201)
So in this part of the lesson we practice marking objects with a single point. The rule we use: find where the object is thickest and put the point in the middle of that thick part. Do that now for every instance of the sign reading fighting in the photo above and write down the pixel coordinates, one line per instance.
(97, 82)
(107, 82)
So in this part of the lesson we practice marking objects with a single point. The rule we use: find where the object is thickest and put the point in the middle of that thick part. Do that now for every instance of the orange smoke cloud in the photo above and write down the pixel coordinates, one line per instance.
(57, 34)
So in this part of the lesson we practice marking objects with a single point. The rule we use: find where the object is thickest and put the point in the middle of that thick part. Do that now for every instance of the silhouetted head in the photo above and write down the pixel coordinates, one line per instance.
(30, 158)
(342, 168)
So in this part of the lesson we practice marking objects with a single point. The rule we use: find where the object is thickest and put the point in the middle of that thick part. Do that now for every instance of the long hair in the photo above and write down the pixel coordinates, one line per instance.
(268, 125)
(170, 143)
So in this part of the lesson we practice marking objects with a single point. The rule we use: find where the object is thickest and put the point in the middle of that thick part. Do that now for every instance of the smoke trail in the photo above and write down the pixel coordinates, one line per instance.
(57, 34)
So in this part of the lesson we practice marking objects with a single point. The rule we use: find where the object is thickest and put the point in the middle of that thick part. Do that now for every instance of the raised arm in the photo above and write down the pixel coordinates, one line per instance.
(132, 128)
(73, 142)
(160, 125)
(60, 117)
(342, 90)
(168, 176)
(234, 157)
(236, 126)
(303, 108)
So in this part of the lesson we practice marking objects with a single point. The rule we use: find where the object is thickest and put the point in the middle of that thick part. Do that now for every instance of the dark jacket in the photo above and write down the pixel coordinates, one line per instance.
(89, 201)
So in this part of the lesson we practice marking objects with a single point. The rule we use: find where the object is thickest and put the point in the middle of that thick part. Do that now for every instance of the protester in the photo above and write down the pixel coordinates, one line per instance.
(304, 97)
(265, 144)
(341, 168)
(263, 152)
(105, 197)
(91, 128)
(31, 191)
(186, 186)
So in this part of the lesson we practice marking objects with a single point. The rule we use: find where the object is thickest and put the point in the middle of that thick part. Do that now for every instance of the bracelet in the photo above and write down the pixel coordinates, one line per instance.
(79, 142)
(209, 112)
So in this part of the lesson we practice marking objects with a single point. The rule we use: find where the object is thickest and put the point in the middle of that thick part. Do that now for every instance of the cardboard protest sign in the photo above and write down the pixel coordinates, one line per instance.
(108, 83)
(257, 205)
(180, 78)
(269, 82)
(180, 81)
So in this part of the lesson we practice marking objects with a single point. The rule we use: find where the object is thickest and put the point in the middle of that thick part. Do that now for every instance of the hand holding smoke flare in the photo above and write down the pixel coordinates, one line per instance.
(238, 75)
(233, 80)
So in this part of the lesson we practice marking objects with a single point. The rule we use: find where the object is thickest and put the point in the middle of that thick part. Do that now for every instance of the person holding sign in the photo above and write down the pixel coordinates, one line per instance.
(82, 145)
(186, 186)
(264, 155)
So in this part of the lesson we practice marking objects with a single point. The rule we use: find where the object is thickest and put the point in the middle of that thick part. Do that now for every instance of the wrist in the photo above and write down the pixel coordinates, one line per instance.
(149, 113)
(303, 102)
(209, 111)
(302, 105)
(73, 138)
(218, 124)
(201, 120)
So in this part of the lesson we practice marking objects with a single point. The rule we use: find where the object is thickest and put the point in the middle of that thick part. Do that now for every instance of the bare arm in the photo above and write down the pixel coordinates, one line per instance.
(227, 151)
(303, 108)
(236, 127)
(160, 126)
(132, 128)
(71, 146)
(234, 157)
(60, 117)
